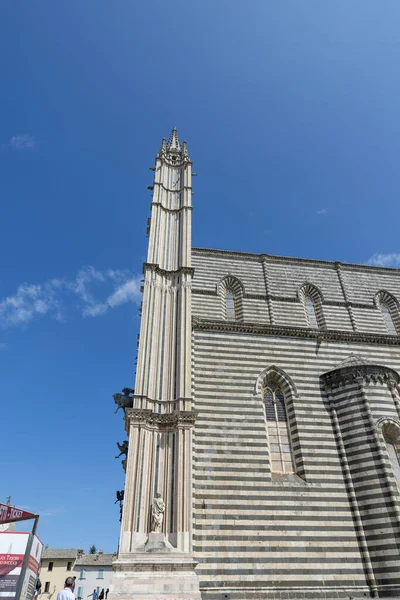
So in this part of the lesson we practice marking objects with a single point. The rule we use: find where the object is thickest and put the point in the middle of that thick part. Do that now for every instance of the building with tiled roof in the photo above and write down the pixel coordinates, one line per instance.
(93, 572)
(56, 565)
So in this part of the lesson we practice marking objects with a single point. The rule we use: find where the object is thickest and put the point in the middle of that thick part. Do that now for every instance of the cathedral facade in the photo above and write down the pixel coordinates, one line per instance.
(265, 419)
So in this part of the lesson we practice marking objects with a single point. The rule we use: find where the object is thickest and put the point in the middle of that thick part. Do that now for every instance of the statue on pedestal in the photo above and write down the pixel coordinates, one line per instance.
(157, 514)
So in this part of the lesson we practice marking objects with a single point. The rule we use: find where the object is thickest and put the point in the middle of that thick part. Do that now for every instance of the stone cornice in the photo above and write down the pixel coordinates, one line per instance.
(292, 299)
(178, 164)
(156, 269)
(205, 292)
(146, 417)
(299, 332)
(367, 373)
(171, 210)
(143, 402)
(184, 187)
(288, 260)
(135, 561)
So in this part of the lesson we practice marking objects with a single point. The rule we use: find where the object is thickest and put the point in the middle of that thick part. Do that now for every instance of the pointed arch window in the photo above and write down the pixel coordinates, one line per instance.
(389, 307)
(312, 301)
(393, 449)
(390, 326)
(311, 313)
(230, 305)
(281, 454)
(231, 292)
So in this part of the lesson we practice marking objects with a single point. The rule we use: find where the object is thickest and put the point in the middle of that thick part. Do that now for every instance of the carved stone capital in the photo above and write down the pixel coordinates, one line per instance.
(152, 420)
(156, 269)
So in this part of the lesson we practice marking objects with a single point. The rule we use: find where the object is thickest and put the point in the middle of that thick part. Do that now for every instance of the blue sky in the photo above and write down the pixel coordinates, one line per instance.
(291, 114)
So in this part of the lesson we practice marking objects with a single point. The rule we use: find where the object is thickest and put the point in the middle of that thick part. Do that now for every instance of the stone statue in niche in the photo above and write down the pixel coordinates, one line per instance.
(157, 514)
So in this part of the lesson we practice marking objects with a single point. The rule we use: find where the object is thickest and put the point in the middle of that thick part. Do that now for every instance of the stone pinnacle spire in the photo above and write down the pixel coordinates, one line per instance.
(173, 142)
(173, 151)
(163, 148)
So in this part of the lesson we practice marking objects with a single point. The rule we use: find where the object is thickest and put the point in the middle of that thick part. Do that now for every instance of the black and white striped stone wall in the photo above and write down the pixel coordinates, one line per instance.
(295, 536)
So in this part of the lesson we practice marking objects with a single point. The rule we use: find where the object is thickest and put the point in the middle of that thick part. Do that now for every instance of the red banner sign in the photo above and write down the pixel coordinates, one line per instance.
(9, 562)
(8, 514)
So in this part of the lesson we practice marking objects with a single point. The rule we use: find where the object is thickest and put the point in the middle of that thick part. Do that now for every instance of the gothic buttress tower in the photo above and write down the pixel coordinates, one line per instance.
(160, 423)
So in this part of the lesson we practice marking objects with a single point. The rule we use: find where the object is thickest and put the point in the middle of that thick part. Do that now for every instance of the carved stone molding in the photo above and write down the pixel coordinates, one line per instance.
(204, 292)
(169, 287)
(171, 210)
(291, 299)
(153, 420)
(290, 260)
(136, 562)
(160, 406)
(184, 187)
(156, 269)
(299, 332)
(367, 373)
(389, 421)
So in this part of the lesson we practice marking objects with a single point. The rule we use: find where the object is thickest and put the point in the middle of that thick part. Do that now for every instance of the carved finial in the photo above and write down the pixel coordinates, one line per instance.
(173, 142)
(163, 148)
(173, 151)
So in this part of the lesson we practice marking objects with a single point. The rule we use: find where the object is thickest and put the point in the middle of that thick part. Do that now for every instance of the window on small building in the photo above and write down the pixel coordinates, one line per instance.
(278, 431)
(393, 447)
(311, 314)
(100, 574)
(230, 306)
(50, 567)
(98, 591)
(80, 593)
(69, 566)
(47, 587)
(388, 320)
(82, 574)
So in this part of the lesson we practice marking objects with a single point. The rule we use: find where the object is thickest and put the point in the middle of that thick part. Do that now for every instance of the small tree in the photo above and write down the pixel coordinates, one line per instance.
(92, 549)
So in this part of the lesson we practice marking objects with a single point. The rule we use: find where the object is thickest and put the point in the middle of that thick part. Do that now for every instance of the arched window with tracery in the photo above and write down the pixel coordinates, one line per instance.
(281, 454)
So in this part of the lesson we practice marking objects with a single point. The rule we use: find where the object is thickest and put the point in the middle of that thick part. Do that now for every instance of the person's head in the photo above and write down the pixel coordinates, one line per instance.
(69, 582)
(74, 577)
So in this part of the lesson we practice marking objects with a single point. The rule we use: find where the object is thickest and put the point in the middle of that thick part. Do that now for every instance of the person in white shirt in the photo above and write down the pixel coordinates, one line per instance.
(67, 593)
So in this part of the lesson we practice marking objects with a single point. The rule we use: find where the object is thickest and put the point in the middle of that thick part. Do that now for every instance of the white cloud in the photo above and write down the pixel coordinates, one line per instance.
(128, 291)
(22, 142)
(28, 302)
(53, 298)
(384, 260)
(322, 211)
